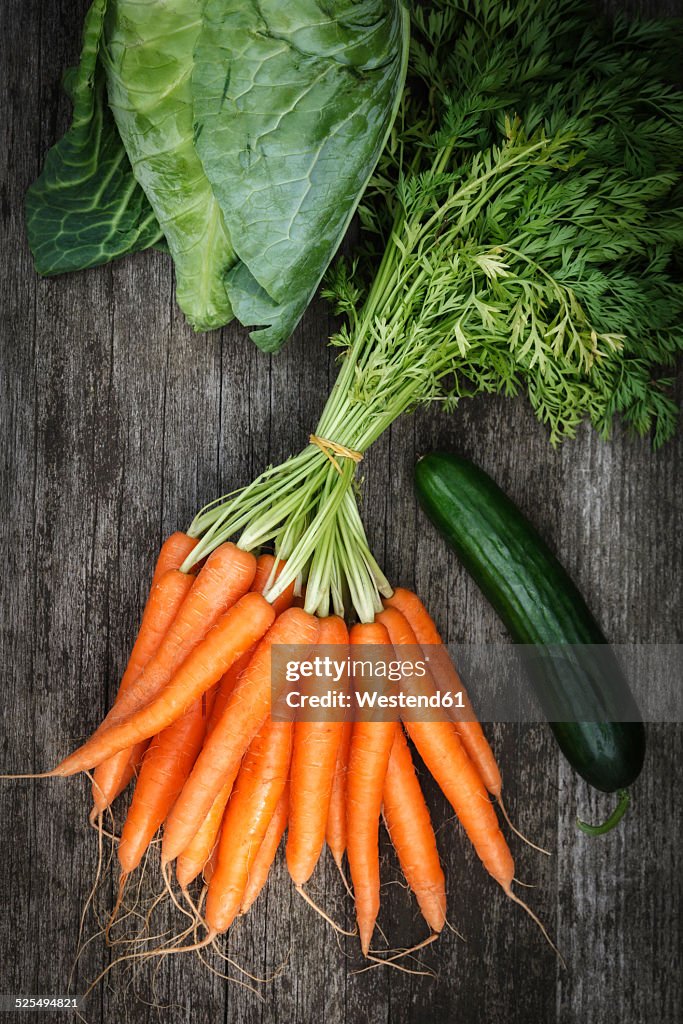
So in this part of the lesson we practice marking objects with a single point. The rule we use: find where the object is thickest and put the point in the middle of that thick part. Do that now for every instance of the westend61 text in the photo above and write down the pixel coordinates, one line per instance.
(371, 700)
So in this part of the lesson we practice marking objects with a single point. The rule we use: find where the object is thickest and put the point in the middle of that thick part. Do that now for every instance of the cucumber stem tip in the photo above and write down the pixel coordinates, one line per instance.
(611, 822)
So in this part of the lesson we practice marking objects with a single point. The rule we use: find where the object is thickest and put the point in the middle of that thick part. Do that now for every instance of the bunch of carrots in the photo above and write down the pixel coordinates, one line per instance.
(191, 724)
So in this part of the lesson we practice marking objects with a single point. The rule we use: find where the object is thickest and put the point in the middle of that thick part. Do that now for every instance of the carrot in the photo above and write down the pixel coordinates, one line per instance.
(223, 645)
(164, 602)
(167, 592)
(111, 777)
(314, 759)
(260, 784)
(419, 619)
(264, 570)
(225, 687)
(165, 767)
(266, 854)
(197, 853)
(371, 744)
(409, 825)
(264, 565)
(335, 834)
(226, 576)
(247, 709)
(470, 731)
(262, 862)
(444, 755)
(173, 553)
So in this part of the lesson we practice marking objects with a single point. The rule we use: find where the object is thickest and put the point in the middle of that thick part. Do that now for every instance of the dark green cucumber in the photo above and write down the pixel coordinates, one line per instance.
(603, 737)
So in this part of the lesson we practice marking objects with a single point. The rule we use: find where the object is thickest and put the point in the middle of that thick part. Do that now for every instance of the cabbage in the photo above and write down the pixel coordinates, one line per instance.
(237, 134)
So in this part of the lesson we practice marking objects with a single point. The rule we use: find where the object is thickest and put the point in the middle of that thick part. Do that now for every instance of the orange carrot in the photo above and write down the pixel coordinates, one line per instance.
(165, 600)
(264, 567)
(197, 853)
(266, 854)
(167, 592)
(165, 767)
(409, 825)
(444, 755)
(226, 576)
(335, 834)
(264, 570)
(225, 687)
(230, 638)
(314, 759)
(470, 731)
(371, 744)
(421, 622)
(247, 709)
(111, 777)
(260, 784)
(173, 553)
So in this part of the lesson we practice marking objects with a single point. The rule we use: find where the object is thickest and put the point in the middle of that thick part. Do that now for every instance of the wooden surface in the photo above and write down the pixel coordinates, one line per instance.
(117, 423)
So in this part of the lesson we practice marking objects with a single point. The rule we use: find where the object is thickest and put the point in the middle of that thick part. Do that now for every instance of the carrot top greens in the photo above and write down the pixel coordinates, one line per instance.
(528, 209)
(520, 234)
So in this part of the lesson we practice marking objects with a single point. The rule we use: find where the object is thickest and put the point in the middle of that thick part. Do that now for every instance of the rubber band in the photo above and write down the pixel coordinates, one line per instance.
(332, 448)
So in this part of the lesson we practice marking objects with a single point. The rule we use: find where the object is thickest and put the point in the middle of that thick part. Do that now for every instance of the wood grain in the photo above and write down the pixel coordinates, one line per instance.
(117, 423)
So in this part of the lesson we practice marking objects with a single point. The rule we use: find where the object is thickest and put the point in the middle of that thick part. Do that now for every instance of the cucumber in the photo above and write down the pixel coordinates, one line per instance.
(604, 740)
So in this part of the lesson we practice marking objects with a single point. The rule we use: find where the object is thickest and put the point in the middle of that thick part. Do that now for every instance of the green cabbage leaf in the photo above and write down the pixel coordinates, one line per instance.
(148, 56)
(86, 208)
(238, 135)
(293, 107)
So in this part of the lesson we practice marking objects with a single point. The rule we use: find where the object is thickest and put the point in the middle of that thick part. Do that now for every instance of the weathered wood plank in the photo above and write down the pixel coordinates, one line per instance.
(117, 423)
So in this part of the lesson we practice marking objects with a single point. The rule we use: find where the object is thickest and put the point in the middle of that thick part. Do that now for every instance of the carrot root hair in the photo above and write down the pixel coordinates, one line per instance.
(81, 944)
(117, 906)
(100, 829)
(537, 921)
(242, 970)
(151, 954)
(513, 828)
(229, 977)
(143, 935)
(333, 924)
(342, 874)
(392, 961)
(194, 915)
(454, 930)
(52, 774)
